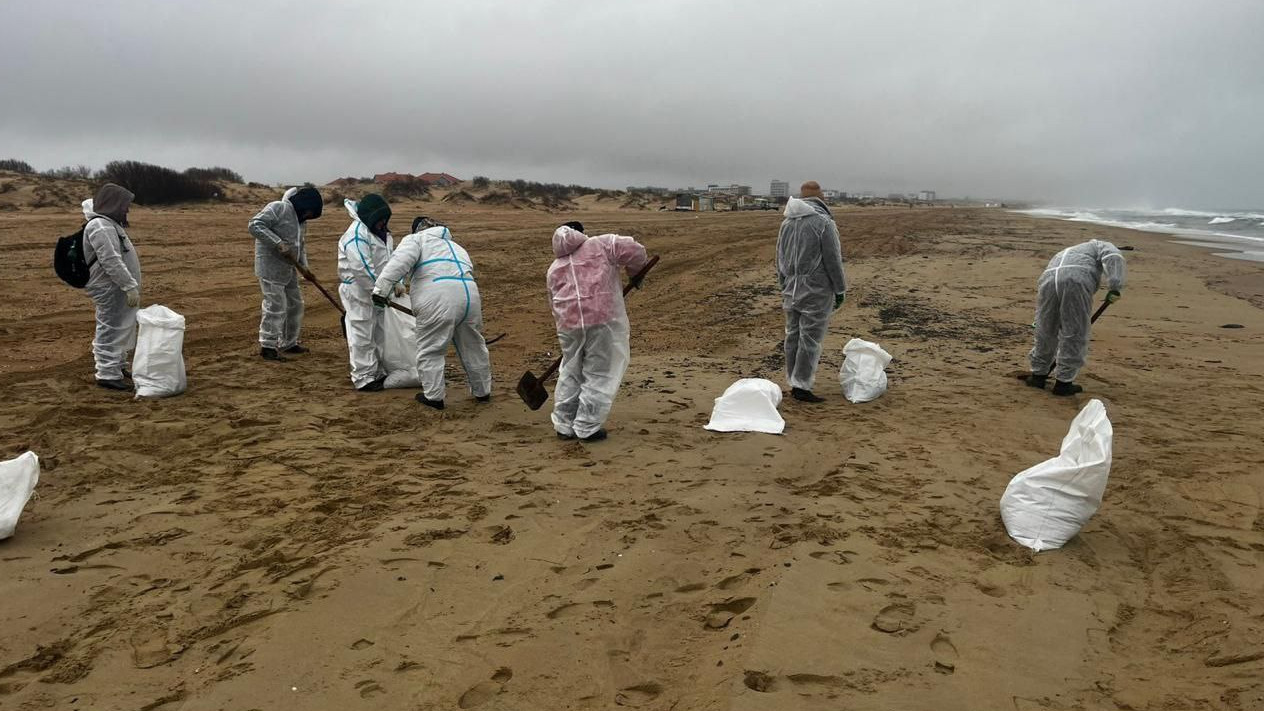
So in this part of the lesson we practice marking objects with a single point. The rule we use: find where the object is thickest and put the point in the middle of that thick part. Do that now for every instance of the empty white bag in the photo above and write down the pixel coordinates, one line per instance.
(863, 373)
(749, 405)
(17, 481)
(158, 366)
(1046, 505)
(399, 349)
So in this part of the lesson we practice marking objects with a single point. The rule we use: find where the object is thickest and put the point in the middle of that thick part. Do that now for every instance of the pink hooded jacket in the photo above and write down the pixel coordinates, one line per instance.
(584, 280)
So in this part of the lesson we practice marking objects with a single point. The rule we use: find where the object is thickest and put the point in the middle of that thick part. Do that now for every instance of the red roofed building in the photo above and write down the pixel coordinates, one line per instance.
(442, 180)
(384, 178)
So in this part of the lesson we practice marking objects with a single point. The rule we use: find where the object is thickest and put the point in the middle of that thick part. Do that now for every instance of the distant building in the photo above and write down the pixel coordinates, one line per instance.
(926, 196)
(733, 189)
(705, 203)
(385, 178)
(833, 195)
(779, 189)
(684, 202)
(442, 180)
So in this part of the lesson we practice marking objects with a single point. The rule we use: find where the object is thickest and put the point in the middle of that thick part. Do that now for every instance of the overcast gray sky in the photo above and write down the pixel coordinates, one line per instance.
(1088, 102)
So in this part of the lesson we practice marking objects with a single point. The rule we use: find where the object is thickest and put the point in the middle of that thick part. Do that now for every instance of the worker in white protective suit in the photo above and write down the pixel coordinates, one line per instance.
(447, 306)
(113, 283)
(363, 251)
(280, 231)
(813, 286)
(1064, 308)
(586, 293)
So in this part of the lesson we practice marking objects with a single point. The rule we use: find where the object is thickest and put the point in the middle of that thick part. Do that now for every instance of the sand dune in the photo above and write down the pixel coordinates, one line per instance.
(272, 539)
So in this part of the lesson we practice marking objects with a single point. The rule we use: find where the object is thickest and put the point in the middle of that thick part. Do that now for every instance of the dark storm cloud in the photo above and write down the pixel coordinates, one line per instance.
(1138, 101)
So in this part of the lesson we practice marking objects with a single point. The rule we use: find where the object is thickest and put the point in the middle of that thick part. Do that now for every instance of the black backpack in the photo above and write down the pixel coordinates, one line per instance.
(68, 260)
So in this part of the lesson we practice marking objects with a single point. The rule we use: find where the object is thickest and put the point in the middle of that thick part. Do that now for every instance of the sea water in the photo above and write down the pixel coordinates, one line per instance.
(1235, 234)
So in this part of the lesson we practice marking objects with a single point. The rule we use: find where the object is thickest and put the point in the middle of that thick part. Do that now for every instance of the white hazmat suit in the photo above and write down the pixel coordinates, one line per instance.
(114, 271)
(361, 257)
(592, 325)
(1064, 305)
(282, 308)
(447, 305)
(810, 271)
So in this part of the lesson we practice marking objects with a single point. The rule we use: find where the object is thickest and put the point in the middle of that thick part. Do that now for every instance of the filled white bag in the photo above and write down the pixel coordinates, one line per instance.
(17, 481)
(863, 373)
(749, 405)
(1046, 505)
(399, 349)
(158, 366)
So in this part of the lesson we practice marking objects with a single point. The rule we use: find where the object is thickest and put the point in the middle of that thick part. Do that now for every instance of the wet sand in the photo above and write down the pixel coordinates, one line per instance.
(272, 539)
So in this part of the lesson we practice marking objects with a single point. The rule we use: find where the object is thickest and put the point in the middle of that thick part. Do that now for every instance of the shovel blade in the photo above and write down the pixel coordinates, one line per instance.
(532, 391)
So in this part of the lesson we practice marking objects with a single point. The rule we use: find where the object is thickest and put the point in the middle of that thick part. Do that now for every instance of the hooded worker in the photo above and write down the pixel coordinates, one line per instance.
(1064, 305)
(592, 326)
(113, 282)
(280, 231)
(810, 271)
(363, 251)
(448, 309)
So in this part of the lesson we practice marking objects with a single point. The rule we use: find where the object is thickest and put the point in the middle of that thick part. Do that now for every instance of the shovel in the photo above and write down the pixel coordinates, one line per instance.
(1022, 374)
(531, 389)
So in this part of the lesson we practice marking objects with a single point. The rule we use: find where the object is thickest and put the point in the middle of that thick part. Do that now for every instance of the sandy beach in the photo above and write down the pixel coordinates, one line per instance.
(274, 540)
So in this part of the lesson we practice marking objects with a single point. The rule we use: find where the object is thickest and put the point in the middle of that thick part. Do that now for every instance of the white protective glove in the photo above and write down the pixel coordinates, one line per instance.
(399, 290)
(133, 298)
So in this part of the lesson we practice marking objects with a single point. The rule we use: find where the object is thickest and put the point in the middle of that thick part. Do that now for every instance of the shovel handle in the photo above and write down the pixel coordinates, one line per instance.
(635, 281)
(1100, 310)
(307, 274)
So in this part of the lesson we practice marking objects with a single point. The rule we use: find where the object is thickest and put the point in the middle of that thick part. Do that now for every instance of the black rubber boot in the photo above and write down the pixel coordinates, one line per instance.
(805, 395)
(436, 404)
(119, 384)
(597, 436)
(1065, 389)
(296, 349)
(483, 398)
(565, 437)
(1037, 381)
(271, 354)
(372, 387)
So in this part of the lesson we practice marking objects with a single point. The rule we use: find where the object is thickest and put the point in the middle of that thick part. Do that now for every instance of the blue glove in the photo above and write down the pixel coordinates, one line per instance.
(1112, 296)
(839, 299)
(380, 301)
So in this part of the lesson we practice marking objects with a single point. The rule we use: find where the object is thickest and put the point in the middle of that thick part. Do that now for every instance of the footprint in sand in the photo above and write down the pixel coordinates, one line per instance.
(478, 694)
(762, 682)
(639, 694)
(894, 618)
(485, 691)
(945, 654)
(722, 613)
(149, 648)
(369, 688)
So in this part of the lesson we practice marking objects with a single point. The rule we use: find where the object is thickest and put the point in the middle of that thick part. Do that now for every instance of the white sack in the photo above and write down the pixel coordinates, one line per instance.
(863, 373)
(399, 349)
(17, 481)
(158, 366)
(749, 405)
(1045, 506)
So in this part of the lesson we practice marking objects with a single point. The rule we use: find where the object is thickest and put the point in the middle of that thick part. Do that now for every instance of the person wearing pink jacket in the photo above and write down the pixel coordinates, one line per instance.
(586, 292)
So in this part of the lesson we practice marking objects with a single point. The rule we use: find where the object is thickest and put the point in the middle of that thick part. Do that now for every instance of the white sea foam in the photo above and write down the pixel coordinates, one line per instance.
(1221, 220)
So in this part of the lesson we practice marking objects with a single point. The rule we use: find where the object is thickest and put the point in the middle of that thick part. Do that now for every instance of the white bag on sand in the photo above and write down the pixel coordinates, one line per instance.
(749, 405)
(399, 349)
(1046, 505)
(863, 373)
(17, 481)
(158, 366)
